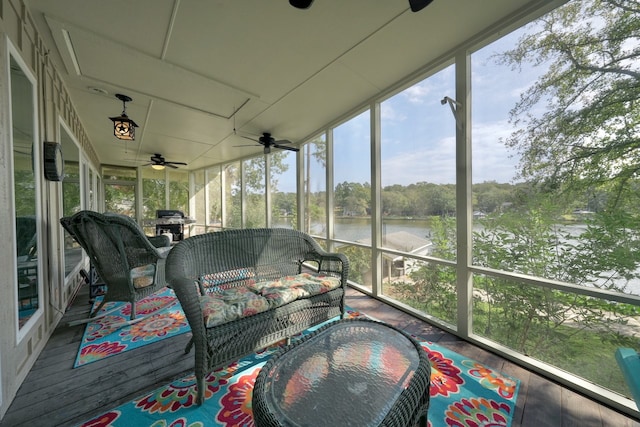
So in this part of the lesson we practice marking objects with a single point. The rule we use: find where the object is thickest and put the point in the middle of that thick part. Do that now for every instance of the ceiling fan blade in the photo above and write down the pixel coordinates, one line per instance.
(175, 163)
(284, 147)
(250, 139)
(169, 165)
(418, 5)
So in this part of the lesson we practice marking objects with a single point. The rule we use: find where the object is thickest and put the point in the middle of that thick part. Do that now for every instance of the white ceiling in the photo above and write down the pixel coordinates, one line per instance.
(190, 64)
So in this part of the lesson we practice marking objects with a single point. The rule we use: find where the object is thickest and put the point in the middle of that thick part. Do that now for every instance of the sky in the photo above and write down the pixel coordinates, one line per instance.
(418, 132)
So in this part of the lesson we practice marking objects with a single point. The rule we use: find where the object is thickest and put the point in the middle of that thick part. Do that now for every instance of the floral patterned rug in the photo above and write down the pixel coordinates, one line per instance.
(464, 393)
(105, 337)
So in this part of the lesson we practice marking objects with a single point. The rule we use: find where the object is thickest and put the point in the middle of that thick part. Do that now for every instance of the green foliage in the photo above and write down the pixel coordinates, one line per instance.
(609, 250)
(536, 320)
(491, 196)
(359, 263)
(254, 183)
(232, 194)
(443, 237)
(179, 192)
(589, 93)
(283, 204)
(353, 198)
(580, 153)
(71, 188)
(544, 323)
(432, 287)
(120, 199)
(25, 193)
(70, 197)
(153, 194)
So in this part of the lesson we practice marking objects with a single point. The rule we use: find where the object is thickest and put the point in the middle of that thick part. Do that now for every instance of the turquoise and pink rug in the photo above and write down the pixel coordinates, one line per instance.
(464, 393)
(105, 337)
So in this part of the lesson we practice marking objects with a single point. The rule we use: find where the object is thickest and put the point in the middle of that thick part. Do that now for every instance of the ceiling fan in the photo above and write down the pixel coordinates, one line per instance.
(267, 141)
(158, 162)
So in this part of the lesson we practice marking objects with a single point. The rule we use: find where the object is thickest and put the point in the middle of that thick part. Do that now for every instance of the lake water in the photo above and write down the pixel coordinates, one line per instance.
(357, 229)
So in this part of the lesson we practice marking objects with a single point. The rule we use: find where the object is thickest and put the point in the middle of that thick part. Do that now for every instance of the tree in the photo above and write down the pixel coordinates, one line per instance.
(588, 135)
(179, 193)
(153, 194)
(537, 320)
(314, 202)
(394, 202)
(442, 200)
(353, 197)
(232, 194)
(254, 185)
(491, 196)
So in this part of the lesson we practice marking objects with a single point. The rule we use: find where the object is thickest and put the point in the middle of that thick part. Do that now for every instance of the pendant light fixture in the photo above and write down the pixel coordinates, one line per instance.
(123, 126)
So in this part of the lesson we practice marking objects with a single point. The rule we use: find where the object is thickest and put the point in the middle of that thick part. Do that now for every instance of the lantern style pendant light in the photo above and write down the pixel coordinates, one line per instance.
(123, 126)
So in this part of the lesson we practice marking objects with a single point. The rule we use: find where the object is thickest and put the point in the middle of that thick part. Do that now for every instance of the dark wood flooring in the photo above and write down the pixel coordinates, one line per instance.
(55, 394)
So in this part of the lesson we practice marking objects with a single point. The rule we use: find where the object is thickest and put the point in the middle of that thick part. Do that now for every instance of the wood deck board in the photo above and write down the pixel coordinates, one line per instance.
(56, 394)
(515, 371)
(542, 403)
(578, 412)
(143, 360)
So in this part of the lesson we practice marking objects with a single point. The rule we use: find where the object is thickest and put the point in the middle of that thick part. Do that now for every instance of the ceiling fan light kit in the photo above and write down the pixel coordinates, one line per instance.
(123, 127)
(159, 163)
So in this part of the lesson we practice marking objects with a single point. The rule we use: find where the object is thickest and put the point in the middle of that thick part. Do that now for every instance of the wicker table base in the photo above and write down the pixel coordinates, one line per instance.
(352, 372)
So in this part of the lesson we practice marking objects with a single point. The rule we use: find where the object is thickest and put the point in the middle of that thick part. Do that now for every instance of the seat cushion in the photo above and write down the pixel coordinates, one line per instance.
(291, 288)
(143, 276)
(231, 304)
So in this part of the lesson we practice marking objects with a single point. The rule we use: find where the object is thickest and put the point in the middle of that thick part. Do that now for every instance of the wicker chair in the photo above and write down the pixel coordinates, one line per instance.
(232, 259)
(130, 263)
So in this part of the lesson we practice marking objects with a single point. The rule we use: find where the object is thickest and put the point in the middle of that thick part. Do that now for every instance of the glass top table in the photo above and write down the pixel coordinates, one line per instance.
(354, 372)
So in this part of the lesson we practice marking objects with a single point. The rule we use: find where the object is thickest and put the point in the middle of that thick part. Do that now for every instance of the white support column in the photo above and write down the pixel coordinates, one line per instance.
(192, 194)
(267, 190)
(329, 189)
(207, 202)
(139, 201)
(301, 188)
(243, 196)
(167, 192)
(464, 205)
(376, 200)
(223, 196)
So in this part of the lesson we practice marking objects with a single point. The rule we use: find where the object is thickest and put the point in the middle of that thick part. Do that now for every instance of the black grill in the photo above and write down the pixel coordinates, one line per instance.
(177, 229)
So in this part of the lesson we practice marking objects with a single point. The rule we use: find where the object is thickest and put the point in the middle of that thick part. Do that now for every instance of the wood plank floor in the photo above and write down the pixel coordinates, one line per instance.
(55, 394)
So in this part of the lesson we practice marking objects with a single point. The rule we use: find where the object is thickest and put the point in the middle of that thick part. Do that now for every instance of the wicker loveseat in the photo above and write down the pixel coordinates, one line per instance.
(242, 290)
